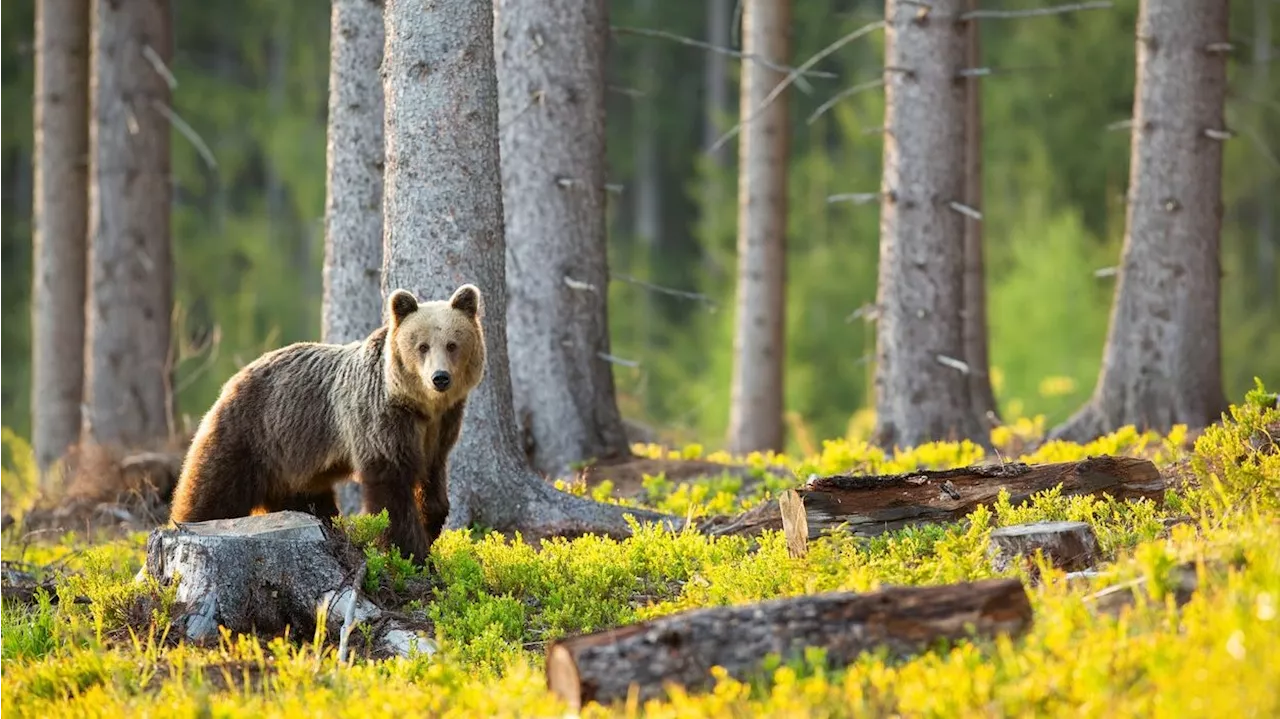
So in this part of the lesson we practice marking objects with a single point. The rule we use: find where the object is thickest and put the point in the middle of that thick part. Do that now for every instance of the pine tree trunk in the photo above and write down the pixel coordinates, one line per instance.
(976, 357)
(552, 114)
(920, 394)
(716, 102)
(756, 401)
(1266, 230)
(1162, 363)
(60, 223)
(130, 295)
(352, 305)
(441, 125)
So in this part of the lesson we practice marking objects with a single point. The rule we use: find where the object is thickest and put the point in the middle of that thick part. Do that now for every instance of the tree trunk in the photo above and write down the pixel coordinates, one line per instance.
(716, 86)
(1162, 364)
(552, 114)
(352, 305)
(756, 399)
(130, 296)
(442, 124)
(60, 224)
(1266, 230)
(871, 505)
(921, 394)
(974, 316)
(681, 648)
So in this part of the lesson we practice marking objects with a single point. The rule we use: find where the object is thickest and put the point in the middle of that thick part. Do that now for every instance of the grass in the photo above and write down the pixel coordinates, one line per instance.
(498, 601)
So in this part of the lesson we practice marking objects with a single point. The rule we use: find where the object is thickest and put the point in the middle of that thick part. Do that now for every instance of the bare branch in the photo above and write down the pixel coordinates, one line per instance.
(1102, 272)
(791, 77)
(578, 285)
(685, 294)
(1219, 47)
(1034, 12)
(681, 39)
(1120, 125)
(966, 210)
(857, 198)
(1214, 134)
(158, 64)
(187, 132)
(617, 360)
(879, 82)
(975, 72)
(953, 363)
(628, 91)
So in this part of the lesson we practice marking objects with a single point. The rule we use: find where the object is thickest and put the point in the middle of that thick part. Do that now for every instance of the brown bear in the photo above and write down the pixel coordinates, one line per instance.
(388, 408)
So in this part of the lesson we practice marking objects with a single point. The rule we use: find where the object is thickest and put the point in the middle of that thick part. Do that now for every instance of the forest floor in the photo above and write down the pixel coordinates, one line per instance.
(95, 643)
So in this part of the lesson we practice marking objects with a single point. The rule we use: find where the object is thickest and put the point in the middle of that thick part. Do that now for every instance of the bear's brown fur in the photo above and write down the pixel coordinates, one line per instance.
(388, 408)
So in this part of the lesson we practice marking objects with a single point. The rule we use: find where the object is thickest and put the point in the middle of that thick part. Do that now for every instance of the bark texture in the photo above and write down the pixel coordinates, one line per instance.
(443, 227)
(870, 505)
(976, 341)
(756, 396)
(353, 194)
(1069, 546)
(263, 573)
(681, 648)
(130, 294)
(919, 396)
(60, 224)
(1163, 360)
(551, 89)
(352, 304)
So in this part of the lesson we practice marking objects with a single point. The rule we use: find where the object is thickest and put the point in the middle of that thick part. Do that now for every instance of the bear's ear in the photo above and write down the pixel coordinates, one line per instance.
(400, 305)
(466, 299)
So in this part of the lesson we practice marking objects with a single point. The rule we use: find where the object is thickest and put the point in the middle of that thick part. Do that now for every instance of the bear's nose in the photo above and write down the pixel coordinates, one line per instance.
(441, 380)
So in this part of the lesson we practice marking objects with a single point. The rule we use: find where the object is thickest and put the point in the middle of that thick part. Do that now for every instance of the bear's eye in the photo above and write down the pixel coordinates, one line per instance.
(424, 348)
(452, 347)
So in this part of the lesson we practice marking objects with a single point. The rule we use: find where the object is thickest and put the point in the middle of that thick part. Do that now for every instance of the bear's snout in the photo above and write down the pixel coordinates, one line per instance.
(441, 380)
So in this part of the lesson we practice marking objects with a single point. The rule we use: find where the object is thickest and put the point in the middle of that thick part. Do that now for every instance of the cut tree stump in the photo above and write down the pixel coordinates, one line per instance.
(1070, 546)
(868, 505)
(681, 648)
(261, 573)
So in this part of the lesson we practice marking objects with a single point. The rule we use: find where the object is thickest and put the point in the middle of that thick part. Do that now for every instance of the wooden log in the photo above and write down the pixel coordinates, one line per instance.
(1070, 546)
(262, 573)
(868, 505)
(682, 648)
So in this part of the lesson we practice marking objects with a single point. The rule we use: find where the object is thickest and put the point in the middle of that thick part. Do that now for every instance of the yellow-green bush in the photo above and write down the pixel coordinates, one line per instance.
(497, 602)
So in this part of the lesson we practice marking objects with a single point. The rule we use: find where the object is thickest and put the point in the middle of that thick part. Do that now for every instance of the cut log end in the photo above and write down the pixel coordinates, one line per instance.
(263, 573)
(1070, 546)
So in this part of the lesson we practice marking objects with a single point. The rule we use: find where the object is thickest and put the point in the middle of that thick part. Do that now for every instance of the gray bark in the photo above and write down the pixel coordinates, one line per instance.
(352, 305)
(443, 225)
(981, 394)
(60, 222)
(920, 398)
(681, 648)
(1162, 362)
(716, 85)
(263, 573)
(1069, 546)
(130, 296)
(756, 397)
(551, 88)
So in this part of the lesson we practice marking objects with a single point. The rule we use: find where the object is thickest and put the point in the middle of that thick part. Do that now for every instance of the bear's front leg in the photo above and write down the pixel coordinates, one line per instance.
(391, 487)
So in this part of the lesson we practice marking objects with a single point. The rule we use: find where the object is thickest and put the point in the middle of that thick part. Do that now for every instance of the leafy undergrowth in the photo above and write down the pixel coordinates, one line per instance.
(496, 602)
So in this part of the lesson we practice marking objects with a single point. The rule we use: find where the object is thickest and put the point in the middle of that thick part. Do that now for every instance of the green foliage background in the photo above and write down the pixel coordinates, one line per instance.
(249, 233)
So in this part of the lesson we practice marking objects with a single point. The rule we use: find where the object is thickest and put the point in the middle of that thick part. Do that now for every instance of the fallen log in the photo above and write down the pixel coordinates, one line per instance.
(681, 648)
(263, 573)
(868, 505)
(1070, 546)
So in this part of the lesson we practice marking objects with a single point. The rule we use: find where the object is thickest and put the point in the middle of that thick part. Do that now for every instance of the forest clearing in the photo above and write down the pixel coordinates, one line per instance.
(640, 358)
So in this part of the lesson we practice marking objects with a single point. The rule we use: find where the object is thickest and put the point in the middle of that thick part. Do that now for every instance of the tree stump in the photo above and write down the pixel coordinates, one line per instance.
(682, 648)
(263, 573)
(1070, 546)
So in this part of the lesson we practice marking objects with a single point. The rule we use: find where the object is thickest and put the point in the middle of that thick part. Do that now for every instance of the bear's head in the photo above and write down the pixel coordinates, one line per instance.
(435, 350)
